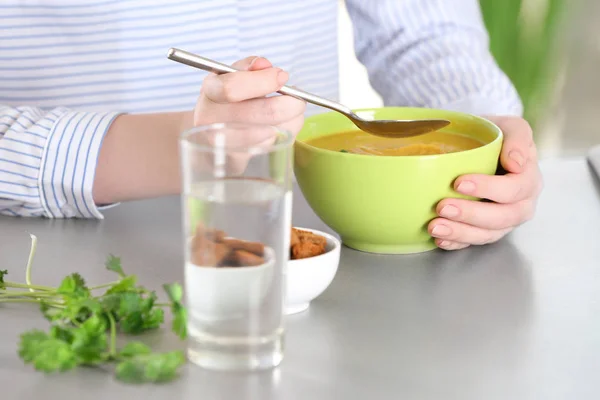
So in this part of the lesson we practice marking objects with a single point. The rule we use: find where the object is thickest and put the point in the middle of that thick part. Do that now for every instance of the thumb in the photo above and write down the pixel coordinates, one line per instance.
(518, 147)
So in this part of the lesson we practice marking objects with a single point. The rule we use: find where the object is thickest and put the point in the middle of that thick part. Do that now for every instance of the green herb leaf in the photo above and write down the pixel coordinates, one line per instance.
(80, 309)
(61, 333)
(132, 349)
(54, 355)
(73, 285)
(29, 343)
(3, 272)
(90, 341)
(50, 313)
(124, 285)
(129, 303)
(179, 326)
(45, 353)
(114, 264)
(132, 323)
(154, 318)
(136, 314)
(150, 367)
(148, 302)
(111, 302)
(174, 291)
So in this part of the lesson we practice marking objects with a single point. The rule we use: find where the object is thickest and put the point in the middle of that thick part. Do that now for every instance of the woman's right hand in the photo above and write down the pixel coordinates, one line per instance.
(240, 97)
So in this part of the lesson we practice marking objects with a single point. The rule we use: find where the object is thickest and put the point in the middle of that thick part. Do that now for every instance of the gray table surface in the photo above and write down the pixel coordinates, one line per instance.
(516, 320)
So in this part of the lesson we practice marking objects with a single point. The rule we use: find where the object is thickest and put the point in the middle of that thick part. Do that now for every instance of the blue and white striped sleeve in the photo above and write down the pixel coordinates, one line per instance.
(48, 161)
(431, 53)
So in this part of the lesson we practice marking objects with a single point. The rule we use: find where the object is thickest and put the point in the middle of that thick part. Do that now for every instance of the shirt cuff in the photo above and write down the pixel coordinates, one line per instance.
(69, 164)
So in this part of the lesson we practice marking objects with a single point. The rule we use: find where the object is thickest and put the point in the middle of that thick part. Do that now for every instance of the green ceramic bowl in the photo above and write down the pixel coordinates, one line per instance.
(383, 204)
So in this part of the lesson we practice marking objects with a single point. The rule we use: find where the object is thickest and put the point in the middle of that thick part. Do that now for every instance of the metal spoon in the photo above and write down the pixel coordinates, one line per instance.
(384, 128)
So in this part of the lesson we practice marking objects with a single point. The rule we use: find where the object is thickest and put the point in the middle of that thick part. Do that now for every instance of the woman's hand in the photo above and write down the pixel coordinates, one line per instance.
(513, 196)
(240, 97)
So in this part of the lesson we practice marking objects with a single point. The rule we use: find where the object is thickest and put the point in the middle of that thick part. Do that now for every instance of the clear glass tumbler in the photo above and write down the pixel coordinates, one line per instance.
(237, 220)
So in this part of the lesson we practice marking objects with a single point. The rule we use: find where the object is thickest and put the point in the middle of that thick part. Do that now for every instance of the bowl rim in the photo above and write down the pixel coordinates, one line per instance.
(329, 237)
(485, 121)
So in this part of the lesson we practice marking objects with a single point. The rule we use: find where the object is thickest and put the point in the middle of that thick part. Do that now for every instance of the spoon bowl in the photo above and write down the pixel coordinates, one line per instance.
(385, 128)
(398, 128)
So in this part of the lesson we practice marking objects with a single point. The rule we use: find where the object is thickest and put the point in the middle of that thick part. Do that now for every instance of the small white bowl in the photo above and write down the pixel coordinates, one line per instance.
(308, 278)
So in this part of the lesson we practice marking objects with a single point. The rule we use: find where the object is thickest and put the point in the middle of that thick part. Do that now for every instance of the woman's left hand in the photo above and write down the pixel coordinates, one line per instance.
(513, 196)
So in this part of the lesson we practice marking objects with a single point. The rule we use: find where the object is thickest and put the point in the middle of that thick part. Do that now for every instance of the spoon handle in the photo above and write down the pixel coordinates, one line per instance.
(206, 64)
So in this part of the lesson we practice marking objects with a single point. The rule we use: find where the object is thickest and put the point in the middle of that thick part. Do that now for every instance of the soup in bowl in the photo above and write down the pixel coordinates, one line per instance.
(379, 194)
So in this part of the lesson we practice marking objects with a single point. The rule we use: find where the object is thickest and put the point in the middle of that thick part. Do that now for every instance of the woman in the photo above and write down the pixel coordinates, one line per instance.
(91, 108)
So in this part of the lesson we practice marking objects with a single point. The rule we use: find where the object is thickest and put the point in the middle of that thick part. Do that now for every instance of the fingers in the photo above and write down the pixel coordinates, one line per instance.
(449, 245)
(238, 161)
(453, 231)
(510, 188)
(252, 64)
(294, 126)
(236, 143)
(486, 215)
(282, 111)
(518, 146)
(241, 97)
(267, 110)
(243, 85)
(213, 84)
(514, 195)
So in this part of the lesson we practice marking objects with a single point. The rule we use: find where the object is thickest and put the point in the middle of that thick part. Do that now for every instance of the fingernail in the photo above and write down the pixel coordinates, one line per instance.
(466, 187)
(444, 243)
(441, 230)
(449, 212)
(517, 157)
(282, 77)
(252, 62)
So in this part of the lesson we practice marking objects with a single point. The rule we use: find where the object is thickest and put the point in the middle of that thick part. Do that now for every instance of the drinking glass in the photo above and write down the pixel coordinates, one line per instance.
(237, 220)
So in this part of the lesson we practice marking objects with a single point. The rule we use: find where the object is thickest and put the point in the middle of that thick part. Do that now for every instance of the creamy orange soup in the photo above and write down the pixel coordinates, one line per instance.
(359, 142)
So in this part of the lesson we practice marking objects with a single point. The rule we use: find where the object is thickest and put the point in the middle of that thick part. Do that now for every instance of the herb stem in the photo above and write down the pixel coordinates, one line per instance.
(162, 304)
(30, 261)
(104, 285)
(9, 293)
(50, 303)
(15, 285)
(113, 335)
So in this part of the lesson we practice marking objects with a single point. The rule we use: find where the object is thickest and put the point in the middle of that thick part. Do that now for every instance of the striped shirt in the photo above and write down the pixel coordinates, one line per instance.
(68, 68)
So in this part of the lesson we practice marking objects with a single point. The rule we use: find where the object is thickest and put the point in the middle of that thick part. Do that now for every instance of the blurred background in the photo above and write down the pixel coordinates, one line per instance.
(551, 51)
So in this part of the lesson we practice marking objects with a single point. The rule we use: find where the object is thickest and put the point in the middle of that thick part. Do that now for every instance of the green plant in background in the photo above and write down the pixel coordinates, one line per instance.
(524, 39)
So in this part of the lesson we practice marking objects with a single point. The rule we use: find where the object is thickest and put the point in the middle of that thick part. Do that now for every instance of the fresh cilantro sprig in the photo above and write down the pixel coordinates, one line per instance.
(85, 321)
